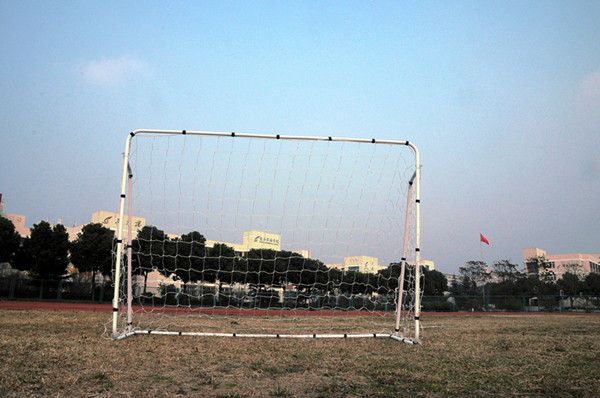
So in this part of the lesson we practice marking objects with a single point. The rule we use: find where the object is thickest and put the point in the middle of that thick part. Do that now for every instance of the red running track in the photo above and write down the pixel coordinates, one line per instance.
(97, 307)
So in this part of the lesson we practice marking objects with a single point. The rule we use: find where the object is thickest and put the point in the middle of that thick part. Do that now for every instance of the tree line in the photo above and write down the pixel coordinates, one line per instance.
(192, 261)
(506, 278)
(47, 252)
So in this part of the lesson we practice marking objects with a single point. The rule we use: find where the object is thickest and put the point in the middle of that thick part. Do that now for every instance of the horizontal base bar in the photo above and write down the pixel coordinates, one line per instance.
(271, 335)
(404, 339)
(124, 335)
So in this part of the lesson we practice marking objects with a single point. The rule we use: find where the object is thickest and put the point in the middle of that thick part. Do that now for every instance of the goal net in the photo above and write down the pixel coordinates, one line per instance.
(231, 234)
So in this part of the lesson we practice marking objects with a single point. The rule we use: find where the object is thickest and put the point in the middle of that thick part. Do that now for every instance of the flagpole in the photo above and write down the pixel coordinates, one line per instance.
(482, 240)
(481, 251)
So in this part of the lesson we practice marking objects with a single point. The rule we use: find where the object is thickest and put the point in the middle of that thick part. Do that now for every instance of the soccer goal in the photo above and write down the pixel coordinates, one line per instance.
(257, 235)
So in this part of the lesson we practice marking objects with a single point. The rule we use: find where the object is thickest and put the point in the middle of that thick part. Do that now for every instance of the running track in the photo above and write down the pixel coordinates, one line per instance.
(96, 307)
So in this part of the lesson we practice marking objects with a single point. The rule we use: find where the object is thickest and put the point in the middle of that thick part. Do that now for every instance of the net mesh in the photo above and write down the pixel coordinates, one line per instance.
(245, 235)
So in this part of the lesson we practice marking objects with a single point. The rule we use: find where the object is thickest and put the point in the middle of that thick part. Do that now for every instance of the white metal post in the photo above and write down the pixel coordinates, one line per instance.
(407, 218)
(129, 250)
(417, 243)
(117, 280)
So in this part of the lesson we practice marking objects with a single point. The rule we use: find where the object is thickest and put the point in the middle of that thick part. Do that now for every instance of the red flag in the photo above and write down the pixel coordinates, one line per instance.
(484, 239)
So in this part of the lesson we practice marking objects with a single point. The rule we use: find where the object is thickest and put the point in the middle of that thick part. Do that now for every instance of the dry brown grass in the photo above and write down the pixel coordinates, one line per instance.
(64, 354)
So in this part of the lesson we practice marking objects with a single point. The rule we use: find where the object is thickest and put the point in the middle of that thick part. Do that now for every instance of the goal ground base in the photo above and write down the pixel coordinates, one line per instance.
(270, 335)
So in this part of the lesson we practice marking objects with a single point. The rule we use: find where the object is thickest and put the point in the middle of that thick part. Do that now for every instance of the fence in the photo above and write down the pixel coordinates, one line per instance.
(22, 288)
(506, 303)
(16, 288)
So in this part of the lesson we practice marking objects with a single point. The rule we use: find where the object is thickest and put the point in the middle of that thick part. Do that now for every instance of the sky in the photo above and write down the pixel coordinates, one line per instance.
(502, 98)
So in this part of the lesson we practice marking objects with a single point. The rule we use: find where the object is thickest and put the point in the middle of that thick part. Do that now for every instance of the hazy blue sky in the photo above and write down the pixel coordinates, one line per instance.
(503, 99)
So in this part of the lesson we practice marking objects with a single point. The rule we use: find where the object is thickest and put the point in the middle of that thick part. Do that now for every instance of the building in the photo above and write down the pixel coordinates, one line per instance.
(154, 283)
(451, 278)
(554, 266)
(110, 220)
(74, 231)
(18, 220)
(429, 264)
(254, 239)
(366, 264)
(370, 265)
(303, 252)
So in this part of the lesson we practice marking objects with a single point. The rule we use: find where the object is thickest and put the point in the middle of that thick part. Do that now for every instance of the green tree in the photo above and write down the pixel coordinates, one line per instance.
(92, 251)
(435, 283)
(474, 275)
(222, 259)
(148, 252)
(23, 259)
(575, 269)
(259, 267)
(592, 283)
(507, 271)
(189, 254)
(390, 275)
(265, 268)
(46, 251)
(9, 241)
(476, 271)
(570, 284)
(510, 281)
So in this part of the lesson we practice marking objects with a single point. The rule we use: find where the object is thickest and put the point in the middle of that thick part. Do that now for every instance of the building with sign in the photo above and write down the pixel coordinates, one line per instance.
(261, 240)
(254, 239)
(110, 220)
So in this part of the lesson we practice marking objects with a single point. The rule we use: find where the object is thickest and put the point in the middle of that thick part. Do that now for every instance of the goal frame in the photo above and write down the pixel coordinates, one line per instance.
(125, 200)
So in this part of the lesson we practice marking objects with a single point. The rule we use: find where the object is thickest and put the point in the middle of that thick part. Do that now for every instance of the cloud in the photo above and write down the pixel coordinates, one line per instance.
(114, 70)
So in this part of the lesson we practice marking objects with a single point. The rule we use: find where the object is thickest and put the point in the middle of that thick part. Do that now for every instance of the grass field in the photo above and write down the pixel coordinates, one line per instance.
(64, 354)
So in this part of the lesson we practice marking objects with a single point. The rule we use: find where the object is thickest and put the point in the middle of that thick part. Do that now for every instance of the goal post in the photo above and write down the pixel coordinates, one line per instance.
(330, 236)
